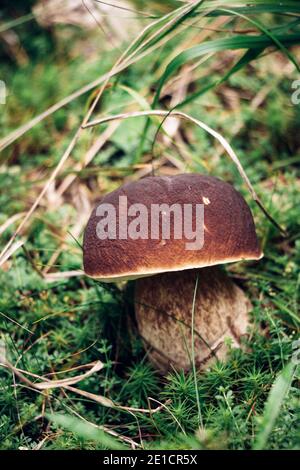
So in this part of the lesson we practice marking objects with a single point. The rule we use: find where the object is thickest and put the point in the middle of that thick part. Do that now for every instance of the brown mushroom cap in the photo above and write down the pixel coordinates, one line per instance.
(229, 231)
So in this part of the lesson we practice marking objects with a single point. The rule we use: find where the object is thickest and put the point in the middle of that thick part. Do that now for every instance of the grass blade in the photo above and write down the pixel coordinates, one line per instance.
(274, 402)
(259, 42)
(85, 430)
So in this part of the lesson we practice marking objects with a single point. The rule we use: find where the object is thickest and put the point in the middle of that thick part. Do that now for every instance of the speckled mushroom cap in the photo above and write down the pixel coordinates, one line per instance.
(229, 231)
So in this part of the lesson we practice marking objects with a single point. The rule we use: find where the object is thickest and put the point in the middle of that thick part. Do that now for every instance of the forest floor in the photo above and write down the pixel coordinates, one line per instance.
(55, 322)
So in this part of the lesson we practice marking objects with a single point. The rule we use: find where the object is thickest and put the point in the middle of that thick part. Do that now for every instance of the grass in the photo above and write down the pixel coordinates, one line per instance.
(227, 66)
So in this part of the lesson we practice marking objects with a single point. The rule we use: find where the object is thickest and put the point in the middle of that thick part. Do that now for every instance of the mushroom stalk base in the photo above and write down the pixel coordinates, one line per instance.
(163, 307)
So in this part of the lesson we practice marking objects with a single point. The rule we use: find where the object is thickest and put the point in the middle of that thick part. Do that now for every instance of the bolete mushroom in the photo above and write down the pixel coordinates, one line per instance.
(120, 243)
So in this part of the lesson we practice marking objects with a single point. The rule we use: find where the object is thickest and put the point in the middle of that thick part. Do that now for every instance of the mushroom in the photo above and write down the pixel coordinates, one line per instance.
(168, 267)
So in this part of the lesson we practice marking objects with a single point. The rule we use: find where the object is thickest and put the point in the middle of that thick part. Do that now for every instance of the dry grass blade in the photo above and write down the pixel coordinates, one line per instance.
(66, 384)
(48, 384)
(71, 381)
(14, 321)
(106, 429)
(16, 134)
(11, 249)
(107, 402)
(90, 154)
(215, 134)
(11, 220)
(166, 407)
(50, 277)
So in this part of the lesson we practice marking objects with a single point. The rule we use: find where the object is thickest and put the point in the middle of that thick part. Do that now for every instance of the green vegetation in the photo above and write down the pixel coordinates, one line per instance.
(225, 64)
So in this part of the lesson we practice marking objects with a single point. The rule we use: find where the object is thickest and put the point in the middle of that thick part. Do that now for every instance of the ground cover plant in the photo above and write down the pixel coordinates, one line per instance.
(74, 372)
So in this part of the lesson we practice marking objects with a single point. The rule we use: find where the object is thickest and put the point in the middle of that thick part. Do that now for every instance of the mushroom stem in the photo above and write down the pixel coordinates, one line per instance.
(163, 306)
